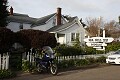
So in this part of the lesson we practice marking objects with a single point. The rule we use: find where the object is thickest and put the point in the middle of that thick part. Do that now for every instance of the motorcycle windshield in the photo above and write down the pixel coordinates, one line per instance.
(48, 49)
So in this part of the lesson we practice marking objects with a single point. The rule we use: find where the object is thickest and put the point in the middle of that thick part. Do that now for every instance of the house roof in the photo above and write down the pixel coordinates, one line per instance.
(60, 27)
(42, 20)
(21, 18)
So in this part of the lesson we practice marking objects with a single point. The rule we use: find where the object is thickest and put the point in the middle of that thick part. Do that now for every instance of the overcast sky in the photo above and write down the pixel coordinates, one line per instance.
(108, 9)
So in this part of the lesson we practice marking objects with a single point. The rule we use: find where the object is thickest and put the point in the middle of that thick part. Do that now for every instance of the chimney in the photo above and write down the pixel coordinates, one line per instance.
(11, 11)
(58, 16)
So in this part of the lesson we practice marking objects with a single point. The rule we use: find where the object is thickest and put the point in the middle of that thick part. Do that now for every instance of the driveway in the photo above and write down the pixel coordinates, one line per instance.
(111, 72)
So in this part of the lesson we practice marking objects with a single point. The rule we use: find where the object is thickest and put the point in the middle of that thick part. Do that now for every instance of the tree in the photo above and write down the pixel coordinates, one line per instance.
(3, 13)
(94, 26)
(110, 28)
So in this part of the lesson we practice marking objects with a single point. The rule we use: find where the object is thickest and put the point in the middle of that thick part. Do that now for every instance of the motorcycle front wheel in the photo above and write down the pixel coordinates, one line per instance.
(53, 69)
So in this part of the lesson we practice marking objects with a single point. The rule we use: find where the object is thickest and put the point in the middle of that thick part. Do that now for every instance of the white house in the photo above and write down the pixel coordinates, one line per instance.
(17, 21)
(66, 28)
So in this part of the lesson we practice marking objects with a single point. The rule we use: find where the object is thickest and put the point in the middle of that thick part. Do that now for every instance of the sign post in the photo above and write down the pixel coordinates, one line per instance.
(98, 42)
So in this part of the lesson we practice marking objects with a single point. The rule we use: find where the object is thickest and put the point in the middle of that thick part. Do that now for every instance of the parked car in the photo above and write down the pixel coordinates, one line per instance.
(114, 58)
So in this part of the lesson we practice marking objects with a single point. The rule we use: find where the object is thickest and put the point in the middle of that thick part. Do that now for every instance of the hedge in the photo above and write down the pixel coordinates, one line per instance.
(6, 39)
(35, 38)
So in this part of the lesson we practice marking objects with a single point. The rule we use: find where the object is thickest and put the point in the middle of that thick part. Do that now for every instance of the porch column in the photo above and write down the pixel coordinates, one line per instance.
(56, 37)
(65, 39)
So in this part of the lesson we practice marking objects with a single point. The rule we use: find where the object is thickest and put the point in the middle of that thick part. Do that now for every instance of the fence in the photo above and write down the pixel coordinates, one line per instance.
(4, 61)
(60, 58)
(31, 57)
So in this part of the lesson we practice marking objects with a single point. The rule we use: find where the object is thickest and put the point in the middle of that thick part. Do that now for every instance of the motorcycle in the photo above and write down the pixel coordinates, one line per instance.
(47, 62)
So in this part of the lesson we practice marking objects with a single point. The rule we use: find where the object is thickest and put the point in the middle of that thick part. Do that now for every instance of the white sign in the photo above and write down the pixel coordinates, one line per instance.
(102, 48)
(96, 44)
(98, 47)
(99, 39)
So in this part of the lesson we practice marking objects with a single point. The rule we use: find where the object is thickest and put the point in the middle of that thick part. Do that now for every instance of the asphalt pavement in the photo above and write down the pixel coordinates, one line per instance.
(111, 72)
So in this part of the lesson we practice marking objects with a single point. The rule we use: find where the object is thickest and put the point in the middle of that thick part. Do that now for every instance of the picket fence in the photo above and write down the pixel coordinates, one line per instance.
(60, 58)
(31, 57)
(4, 61)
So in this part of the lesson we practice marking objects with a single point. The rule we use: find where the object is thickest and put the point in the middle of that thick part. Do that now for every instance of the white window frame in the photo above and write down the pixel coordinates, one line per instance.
(75, 34)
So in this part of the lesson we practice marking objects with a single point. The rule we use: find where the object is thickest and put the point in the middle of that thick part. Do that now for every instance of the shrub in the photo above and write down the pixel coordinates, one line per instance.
(36, 38)
(6, 39)
(65, 50)
(15, 61)
(101, 59)
(73, 63)
(91, 60)
(26, 66)
(6, 74)
(80, 62)
(113, 46)
(89, 50)
(63, 64)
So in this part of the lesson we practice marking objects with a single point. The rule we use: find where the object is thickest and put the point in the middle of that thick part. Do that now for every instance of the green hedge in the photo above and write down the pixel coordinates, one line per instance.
(101, 59)
(113, 46)
(35, 38)
(28, 67)
(65, 50)
(80, 62)
(6, 74)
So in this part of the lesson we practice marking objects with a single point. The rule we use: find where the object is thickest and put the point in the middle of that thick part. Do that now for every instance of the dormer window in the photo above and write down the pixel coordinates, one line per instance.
(21, 26)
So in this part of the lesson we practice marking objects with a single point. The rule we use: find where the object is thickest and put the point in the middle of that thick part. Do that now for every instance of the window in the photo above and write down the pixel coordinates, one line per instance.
(77, 35)
(21, 26)
(54, 22)
(74, 36)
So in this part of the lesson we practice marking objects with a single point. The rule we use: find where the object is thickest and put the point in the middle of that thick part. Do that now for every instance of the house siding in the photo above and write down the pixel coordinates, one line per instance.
(14, 26)
(73, 29)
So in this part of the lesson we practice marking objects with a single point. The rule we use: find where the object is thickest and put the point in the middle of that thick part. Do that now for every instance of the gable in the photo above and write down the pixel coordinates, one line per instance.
(74, 28)
(49, 23)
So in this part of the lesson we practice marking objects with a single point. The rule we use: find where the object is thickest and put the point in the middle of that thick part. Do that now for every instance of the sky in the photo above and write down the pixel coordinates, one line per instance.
(107, 9)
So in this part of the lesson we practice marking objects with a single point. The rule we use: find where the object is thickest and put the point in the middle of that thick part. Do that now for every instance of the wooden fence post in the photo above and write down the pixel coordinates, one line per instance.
(28, 56)
(3, 61)
(7, 61)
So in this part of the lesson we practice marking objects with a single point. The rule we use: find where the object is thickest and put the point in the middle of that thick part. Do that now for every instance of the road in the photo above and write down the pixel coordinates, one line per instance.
(111, 72)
